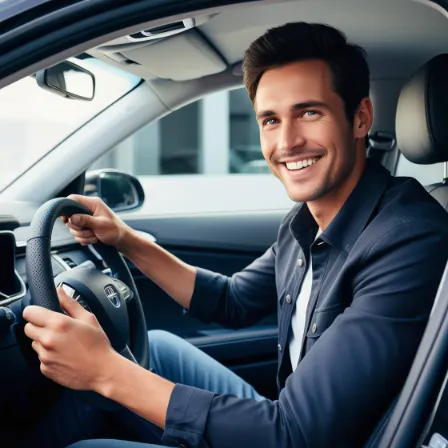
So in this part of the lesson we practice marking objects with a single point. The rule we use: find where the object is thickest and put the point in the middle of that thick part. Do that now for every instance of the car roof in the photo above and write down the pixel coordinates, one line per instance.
(398, 35)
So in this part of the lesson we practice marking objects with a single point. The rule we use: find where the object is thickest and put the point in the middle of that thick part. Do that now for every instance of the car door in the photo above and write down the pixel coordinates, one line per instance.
(250, 352)
(211, 202)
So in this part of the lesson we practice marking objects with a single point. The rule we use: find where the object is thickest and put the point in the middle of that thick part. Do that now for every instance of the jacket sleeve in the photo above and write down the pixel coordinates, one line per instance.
(348, 379)
(240, 300)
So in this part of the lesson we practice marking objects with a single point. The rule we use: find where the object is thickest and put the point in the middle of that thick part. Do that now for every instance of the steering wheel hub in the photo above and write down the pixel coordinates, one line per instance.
(103, 296)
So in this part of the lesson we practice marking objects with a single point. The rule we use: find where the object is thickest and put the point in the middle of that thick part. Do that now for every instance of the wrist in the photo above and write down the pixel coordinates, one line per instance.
(124, 240)
(108, 375)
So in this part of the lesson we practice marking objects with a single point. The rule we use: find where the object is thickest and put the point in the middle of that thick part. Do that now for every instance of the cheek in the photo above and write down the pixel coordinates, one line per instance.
(327, 135)
(267, 146)
(343, 148)
(323, 132)
(268, 150)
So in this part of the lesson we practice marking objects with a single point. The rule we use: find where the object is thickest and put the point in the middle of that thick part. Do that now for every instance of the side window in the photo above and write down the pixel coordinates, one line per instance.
(216, 135)
(425, 174)
(202, 158)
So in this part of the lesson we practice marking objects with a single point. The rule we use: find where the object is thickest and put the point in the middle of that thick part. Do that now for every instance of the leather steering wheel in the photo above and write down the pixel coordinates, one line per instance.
(114, 300)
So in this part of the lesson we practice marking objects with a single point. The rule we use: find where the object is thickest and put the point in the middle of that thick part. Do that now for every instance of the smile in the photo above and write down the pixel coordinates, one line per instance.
(294, 166)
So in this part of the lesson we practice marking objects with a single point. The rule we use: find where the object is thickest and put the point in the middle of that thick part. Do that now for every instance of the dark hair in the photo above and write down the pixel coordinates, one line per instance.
(301, 41)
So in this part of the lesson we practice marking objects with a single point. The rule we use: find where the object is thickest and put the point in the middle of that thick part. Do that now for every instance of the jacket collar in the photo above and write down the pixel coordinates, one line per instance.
(352, 218)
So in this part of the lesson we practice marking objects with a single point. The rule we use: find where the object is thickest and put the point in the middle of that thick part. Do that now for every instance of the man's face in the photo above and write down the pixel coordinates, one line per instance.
(305, 135)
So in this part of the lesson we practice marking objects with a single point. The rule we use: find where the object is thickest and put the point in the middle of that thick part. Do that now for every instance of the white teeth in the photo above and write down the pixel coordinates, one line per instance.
(301, 164)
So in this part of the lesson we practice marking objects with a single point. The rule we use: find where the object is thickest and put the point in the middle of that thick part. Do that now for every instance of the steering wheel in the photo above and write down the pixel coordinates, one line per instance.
(114, 300)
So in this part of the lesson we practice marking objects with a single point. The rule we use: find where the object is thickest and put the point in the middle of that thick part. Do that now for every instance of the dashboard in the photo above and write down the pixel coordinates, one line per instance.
(14, 282)
(12, 286)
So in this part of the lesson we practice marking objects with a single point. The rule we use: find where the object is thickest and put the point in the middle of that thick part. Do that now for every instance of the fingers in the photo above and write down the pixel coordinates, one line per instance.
(82, 221)
(82, 236)
(71, 306)
(37, 347)
(88, 241)
(85, 241)
(42, 318)
(33, 331)
(85, 233)
(42, 355)
(42, 340)
(91, 203)
(38, 315)
(71, 226)
(78, 222)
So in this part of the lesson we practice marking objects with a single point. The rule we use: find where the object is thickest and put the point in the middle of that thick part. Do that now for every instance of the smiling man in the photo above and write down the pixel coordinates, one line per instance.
(348, 275)
(314, 146)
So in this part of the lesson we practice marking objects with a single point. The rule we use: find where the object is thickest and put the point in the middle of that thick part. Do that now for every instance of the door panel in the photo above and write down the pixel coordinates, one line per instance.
(225, 244)
(243, 232)
(164, 313)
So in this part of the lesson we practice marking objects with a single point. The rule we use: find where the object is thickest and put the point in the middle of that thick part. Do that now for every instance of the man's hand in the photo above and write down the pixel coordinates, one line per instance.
(73, 349)
(104, 225)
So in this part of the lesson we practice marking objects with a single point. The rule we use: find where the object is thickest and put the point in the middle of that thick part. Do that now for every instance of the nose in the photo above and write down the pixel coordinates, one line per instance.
(290, 136)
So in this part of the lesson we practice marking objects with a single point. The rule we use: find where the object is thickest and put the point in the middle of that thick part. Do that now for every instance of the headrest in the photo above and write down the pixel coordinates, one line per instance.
(422, 114)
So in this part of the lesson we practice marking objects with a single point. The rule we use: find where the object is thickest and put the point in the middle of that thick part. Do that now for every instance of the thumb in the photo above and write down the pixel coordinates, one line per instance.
(71, 306)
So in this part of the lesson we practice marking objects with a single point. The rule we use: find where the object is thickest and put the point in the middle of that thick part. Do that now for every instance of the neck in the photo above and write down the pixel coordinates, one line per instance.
(326, 208)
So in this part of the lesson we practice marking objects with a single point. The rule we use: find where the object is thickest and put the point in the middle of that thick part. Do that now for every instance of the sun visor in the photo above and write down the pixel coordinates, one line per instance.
(182, 57)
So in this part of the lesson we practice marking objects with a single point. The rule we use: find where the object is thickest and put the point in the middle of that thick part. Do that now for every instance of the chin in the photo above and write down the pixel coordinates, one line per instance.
(299, 194)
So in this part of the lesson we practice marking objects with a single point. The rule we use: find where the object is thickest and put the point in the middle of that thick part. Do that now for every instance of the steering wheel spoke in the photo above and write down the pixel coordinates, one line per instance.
(125, 291)
(126, 353)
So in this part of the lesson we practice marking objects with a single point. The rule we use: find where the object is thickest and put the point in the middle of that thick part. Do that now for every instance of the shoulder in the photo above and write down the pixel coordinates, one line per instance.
(406, 199)
(406, 212)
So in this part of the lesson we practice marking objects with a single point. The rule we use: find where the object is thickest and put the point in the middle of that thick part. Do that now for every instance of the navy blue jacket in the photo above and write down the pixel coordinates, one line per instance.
(376, 270)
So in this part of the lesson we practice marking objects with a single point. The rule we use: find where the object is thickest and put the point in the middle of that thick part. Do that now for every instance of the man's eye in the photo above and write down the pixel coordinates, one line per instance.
(269, 121)
(310, 113)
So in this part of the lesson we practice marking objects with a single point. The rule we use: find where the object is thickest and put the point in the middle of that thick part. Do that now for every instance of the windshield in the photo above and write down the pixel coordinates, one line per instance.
(33, 121)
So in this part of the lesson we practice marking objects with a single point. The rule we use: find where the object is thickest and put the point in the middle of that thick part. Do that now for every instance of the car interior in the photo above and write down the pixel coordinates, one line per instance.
(181, 57)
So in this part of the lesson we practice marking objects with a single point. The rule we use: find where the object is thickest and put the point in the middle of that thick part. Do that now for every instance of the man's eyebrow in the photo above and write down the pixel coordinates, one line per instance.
(298, 106)
(309, 104)
(265, 114)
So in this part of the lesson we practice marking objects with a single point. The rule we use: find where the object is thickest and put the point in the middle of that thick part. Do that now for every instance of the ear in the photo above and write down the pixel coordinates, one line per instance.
(363, 118)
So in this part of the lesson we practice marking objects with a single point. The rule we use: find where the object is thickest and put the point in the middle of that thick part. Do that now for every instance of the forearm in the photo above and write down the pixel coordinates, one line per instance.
(137, 389)
(170, 273)
(196, 417)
